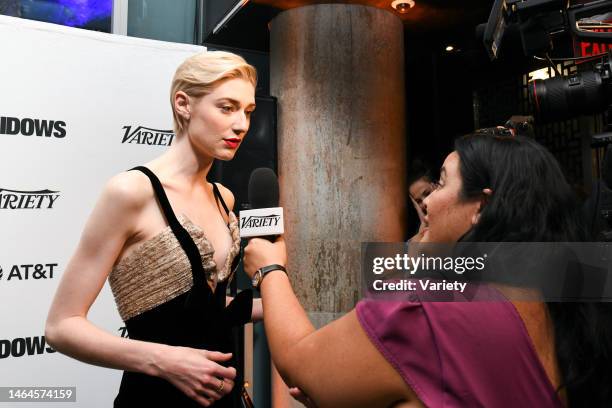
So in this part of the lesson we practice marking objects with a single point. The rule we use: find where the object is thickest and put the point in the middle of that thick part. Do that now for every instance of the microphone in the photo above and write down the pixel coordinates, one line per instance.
(265, 218)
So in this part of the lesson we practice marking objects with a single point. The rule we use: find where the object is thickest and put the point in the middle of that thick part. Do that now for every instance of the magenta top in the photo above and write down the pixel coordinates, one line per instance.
(460, 354)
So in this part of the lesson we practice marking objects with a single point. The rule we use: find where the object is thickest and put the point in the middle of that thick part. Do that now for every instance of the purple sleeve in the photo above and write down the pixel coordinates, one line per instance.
(401, 333)
(459, 354)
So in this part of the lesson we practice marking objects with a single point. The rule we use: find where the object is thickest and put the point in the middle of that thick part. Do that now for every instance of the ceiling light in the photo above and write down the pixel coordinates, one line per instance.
(449, 48)
(402, 6)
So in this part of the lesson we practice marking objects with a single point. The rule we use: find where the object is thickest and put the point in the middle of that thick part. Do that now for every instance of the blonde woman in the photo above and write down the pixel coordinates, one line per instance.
(167, 241)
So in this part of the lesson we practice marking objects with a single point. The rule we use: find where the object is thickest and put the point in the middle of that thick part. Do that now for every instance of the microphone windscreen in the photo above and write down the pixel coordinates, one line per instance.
(263, 188)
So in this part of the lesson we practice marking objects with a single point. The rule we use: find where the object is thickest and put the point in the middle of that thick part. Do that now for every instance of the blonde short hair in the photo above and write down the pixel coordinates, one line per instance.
(199, 74)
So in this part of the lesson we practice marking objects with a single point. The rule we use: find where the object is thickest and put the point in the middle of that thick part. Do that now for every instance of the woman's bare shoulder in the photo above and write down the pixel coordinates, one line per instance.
(130, 190)
(115, 218)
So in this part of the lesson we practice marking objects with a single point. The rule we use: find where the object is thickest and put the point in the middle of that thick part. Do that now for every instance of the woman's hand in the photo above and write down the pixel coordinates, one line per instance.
(418, 237)
(197, 373)
(420, 213)
(260, 252)
(301, 397)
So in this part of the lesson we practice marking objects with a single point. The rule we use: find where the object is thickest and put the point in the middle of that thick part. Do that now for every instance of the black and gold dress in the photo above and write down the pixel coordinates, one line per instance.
(163, 296)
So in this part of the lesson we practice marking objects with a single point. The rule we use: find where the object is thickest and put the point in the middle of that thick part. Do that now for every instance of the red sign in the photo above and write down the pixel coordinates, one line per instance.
(587, 49)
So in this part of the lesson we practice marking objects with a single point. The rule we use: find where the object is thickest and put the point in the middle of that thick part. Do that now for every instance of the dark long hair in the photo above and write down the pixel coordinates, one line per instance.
(533, 202)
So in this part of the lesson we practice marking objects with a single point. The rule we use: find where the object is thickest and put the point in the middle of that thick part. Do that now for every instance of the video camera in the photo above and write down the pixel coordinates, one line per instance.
(540, 23)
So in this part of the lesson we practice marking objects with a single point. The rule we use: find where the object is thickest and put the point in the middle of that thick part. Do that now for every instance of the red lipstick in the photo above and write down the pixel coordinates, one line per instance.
(232, 143)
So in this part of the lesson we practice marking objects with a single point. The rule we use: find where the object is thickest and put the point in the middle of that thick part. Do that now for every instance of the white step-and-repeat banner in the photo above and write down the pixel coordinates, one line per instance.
(76, 107)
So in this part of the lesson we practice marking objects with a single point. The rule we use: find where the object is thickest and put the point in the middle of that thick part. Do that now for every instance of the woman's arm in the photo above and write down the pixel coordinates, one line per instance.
(336, 366)
(111, 223)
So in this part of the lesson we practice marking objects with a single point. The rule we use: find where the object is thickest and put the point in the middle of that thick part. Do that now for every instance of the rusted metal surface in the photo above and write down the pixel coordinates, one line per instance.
(338, 74)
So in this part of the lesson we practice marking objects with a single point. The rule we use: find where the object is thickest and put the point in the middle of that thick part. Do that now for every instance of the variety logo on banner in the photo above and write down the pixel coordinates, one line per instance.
(24, 346)
(27, 200)
(147, 136)
(29, 272)
(32, 127)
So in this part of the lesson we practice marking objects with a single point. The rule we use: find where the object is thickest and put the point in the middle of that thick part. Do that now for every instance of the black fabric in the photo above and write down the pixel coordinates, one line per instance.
(197, 319)
(218, 197)
(181, 233)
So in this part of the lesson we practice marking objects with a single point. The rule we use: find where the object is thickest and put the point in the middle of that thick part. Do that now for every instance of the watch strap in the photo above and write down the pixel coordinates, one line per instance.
(267, 269)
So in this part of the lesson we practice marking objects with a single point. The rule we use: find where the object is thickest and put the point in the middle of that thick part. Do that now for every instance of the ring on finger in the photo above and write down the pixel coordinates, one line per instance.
(221, 385)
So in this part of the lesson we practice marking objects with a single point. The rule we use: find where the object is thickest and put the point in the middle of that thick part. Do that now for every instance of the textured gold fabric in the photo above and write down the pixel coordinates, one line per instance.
(158, 270)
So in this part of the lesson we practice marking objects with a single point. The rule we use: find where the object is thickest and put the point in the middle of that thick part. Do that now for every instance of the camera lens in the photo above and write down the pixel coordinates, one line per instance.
(563, 97)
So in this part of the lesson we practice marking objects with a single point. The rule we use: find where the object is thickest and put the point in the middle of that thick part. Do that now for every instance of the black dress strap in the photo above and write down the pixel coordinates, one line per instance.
(218, 198)
(183, 237)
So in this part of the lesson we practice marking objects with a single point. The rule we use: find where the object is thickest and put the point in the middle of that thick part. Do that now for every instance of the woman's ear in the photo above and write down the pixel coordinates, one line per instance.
(486, 194)
(182, 104)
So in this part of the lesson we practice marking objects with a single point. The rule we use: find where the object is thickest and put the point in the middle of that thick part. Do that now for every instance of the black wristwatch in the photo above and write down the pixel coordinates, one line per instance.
(261, 272)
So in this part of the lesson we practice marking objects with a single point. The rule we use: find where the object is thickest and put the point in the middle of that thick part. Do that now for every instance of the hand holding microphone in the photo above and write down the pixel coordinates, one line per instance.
(260, 253)
(264, 219)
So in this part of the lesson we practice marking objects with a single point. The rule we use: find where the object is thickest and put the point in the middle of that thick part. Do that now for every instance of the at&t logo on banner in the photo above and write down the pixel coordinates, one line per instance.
(28, 272)
(27, 200)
